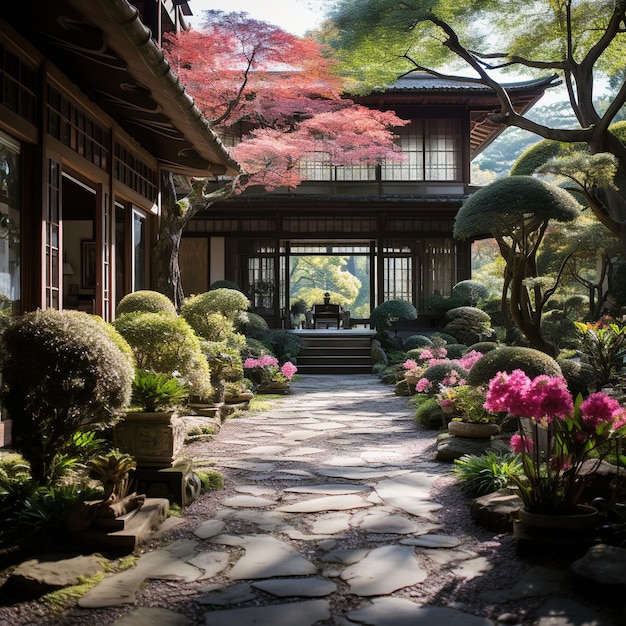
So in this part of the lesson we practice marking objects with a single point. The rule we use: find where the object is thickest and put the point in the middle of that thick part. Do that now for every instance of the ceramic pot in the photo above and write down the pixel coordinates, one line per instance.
(587, 518)
(472, 430)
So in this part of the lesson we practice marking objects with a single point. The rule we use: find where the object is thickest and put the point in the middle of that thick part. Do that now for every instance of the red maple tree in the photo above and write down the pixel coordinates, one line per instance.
(281, 93)
(277, 99)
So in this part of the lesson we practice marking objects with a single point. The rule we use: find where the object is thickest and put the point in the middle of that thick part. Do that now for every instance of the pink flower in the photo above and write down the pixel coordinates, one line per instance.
(268, 361)
(288, 370)
(506, 392)
(599, 409)
(520, 444)
(250, 363)
(426, 353)
(468, 360)
(423, 384)
(619, 419)
(410, 364)
(549, 398)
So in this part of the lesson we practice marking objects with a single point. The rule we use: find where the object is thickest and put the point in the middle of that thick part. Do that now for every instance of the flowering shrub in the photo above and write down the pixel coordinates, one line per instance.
(557, 434)
(603, 346)
(441, 373)
(266, 369)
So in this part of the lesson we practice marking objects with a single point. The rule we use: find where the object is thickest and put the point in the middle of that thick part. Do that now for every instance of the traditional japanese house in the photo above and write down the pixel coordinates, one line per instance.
(393, 221)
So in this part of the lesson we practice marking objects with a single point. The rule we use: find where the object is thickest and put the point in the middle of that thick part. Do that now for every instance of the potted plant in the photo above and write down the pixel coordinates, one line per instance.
(469, 417)
(268, 374)
(556, 435)
(237, 391)
(152, 430)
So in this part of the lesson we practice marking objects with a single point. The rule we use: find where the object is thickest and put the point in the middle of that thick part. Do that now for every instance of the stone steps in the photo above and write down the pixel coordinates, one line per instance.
(336, 352)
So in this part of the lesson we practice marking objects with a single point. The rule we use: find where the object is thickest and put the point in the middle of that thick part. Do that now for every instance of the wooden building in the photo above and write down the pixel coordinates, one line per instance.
(90, 117)
(394, 221)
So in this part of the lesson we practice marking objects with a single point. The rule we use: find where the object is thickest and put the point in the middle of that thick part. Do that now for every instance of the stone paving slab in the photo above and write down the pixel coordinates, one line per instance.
(399, 612)
(355, 516)
(301, 613)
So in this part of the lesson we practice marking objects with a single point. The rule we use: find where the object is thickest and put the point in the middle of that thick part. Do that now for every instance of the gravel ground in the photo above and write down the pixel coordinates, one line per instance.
(442, 587)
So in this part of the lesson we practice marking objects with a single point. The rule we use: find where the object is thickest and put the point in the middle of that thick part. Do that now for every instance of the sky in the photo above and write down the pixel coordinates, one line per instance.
(294, 16)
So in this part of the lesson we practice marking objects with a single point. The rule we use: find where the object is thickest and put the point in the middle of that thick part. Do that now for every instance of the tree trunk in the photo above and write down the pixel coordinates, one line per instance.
(175, 215)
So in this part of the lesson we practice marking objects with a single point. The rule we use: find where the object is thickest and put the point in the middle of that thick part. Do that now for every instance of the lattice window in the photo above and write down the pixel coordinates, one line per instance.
(77, 130)
(18, 85)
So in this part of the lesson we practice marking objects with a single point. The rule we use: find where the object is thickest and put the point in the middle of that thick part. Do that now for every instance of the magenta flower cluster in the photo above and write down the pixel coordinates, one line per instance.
(557, 434)
(546, 398)
(269, 370)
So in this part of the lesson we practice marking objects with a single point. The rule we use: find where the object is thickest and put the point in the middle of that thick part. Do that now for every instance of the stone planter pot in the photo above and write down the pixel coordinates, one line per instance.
(152, 439)
(473, 430)
(568, 536)
(586, 519)
(244, 396)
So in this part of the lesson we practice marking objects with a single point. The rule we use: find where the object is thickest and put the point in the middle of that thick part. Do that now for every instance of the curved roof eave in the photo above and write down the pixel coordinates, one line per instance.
(132, 41)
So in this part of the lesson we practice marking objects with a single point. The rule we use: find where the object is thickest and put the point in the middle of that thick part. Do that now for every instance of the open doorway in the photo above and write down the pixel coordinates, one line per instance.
(79, 244)
(338, 272)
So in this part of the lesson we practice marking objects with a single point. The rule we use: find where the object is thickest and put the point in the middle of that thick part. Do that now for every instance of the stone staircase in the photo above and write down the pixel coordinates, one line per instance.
(336, 352)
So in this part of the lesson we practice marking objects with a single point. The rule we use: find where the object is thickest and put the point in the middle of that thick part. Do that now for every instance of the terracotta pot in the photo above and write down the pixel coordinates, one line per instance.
(472, 430)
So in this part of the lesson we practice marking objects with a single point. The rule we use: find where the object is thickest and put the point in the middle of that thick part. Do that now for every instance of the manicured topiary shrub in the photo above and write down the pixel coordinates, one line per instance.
(383, 315)
(470, 292)
(483, 346)
(439, 305)
(436, 374)
(468, 324)
(455, 350)
(428, 414)
(230, 303)
(284, 345)
(417, 341)
(166, 343)
(493, 307)
(509, 358)
(579, 376)
(254, 324)
(144, 301)
(224, 284)
(443, 337)
(62, 372)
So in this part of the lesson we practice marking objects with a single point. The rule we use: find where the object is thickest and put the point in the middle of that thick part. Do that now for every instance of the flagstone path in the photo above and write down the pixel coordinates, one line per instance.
(334, 512)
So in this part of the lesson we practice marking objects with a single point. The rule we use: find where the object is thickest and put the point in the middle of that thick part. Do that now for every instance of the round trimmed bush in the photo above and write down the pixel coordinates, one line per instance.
(509, 358)
(483, 346)
(62, 372)
(224, 284)
(455, 350)
(579, 376)
(144, 301)
(382, 316)
(254, 324)
(166, 343)
(444, 337)
(470, 292)
(229, 302)
(428, 414)
(416, 341)
(436, 374)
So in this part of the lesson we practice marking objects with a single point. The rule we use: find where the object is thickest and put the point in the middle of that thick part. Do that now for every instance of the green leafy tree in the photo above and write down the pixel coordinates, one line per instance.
(516, 212)
(313, 276)
(578, 41)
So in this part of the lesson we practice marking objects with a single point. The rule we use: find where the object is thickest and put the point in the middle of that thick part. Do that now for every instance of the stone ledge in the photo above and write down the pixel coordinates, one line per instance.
(137, 531)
